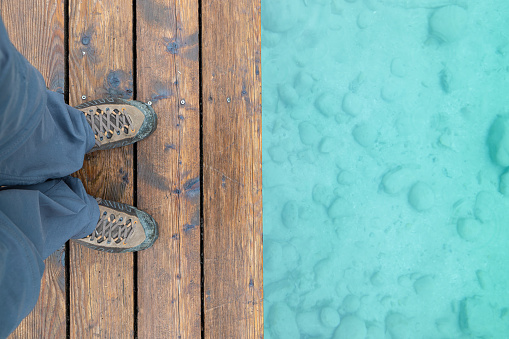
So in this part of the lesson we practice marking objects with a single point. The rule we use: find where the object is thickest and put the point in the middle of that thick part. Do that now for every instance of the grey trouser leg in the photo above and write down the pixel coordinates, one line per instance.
(40, 136)
(42, 141)
(54, 149)
(35, 221)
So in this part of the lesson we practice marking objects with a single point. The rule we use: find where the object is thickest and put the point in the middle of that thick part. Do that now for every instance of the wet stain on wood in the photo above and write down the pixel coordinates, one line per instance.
(192, 188)
(173, 47)
(115, 190)
(148, 174)
(186, 47)
(169, 147)
(87, 49)
(125, 176)
(117, 84)
(188, 227)
(161, 91)
(85, 39)
(195, 219)
(157, 13)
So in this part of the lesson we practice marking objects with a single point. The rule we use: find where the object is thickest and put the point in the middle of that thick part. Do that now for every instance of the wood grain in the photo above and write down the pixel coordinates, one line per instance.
(47, 319)
(100, 50)
(36, 28)
(100, 65)
(169, 169)
(232, 173)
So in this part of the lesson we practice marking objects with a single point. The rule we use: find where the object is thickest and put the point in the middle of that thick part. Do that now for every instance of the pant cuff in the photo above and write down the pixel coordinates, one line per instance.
(88, 128)
(94, 219)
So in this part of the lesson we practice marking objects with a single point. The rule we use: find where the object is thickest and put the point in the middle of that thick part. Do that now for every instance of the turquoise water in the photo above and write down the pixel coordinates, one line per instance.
(386, 168)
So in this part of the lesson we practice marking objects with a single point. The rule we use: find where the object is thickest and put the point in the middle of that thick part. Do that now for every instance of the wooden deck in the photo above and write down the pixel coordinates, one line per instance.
(199, 175)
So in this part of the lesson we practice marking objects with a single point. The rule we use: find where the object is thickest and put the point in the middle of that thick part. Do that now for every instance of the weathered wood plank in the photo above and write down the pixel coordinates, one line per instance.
(47, 320)
(40, 38)
(101, 58)
(232, 173)
(169, 169)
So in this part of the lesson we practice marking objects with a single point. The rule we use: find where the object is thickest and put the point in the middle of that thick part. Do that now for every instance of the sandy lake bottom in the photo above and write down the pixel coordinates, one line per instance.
(386, 168)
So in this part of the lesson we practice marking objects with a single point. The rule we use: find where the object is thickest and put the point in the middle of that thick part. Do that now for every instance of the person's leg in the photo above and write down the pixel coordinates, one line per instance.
(55, 149)
(43, 138)
(22, 96)
(34, 222)
(40, 136)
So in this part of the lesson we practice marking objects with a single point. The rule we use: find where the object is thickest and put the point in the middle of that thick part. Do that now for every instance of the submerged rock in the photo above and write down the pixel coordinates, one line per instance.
(340, 208)
(469, 229)
(309, 324)
(281, 15)
(303, 83)
(396, 180)
(448, 23)
(365, 135)
(351, 303)
(290, 214)
(288, 94)
(421, 196)
(352, 104)
(329, 317)
(504, 184)
(478, 319)
(282, 322)
(328, 104)
(308, 133)
(327, 145)
(498, 141)
(399, 67)
(351, 327)
(398, 326)
(484, 205)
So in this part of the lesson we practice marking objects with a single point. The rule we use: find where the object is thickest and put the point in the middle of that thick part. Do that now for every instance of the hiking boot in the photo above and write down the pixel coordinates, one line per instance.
(121, 228)
(118, 122)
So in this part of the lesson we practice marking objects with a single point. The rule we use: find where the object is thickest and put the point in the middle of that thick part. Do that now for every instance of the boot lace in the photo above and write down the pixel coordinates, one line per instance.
(107, 123)
(112, 229)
